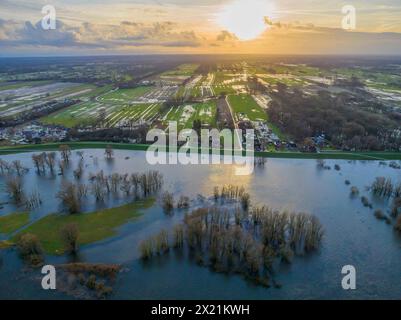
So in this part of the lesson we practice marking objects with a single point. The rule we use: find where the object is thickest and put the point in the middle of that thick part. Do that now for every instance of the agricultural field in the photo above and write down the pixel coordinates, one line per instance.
(186, 114)
(246, 108)
(116, 104)
(22, 97)
(133, 113)
(84, 113)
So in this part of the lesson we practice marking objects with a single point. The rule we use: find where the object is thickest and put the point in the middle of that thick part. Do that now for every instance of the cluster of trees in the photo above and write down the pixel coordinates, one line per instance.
(15, 167)
(14, 185)
(234, 241)
(100, 185)
(111, 134)
(344, 123)
(84, 274)
(48, 160)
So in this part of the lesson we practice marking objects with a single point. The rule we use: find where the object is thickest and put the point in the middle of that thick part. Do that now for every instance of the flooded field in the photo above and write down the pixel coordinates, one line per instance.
(353, 236)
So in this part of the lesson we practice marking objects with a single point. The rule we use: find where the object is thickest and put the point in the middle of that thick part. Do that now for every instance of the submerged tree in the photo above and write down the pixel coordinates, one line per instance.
(15, 189)
(51, 160)
(70, 235)
(109, 152)
(69, 196)
(19, 168)
(65, 151)
(233, 241)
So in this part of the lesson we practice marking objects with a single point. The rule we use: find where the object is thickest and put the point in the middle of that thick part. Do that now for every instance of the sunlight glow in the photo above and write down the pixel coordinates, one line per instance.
(245, 18)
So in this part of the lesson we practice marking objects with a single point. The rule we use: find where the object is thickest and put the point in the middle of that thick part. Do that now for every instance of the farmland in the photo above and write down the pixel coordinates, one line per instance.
(246, 108)
(150, 95)
(19, 97)
(186, 114)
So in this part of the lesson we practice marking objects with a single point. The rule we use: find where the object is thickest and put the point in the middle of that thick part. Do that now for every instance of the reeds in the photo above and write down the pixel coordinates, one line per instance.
(33, 200)
(146, 249)
(383, 187)
(167, 202)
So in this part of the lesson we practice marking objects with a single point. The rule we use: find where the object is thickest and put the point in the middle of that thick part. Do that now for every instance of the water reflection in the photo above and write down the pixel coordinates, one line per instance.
(353, 235)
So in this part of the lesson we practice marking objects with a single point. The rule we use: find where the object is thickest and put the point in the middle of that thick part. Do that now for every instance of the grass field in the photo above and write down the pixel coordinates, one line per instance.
(92, 227)
(246, 108)
(79, 114)
(12, 222)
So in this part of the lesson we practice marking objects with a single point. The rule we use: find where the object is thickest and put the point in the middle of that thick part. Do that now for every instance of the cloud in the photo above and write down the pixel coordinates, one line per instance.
(124, 34)
(171, 36)
(225, 35)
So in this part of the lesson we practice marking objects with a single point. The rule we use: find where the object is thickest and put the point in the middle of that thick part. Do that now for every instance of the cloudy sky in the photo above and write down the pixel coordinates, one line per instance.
(202, 26)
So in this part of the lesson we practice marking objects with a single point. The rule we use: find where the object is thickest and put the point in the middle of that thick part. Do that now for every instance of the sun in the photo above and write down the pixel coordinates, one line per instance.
(245, 18)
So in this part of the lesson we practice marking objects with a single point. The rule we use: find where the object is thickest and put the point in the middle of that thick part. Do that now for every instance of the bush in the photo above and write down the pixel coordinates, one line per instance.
(365, 202)
(354, 191)
(379, 214)
(30, 249)
(91, 283)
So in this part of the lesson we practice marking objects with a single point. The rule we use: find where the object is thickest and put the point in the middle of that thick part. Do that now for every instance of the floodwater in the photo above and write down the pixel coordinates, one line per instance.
(353, 236)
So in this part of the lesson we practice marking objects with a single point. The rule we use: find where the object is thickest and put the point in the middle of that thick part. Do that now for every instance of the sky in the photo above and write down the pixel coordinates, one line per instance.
(199, 27)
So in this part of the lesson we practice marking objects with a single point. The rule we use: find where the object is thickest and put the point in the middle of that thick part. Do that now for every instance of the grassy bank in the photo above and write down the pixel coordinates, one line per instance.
(339, 155)
(12, 222)
(93, 227)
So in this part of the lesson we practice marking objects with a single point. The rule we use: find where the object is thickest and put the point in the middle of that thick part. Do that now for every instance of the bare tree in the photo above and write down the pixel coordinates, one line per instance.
(79, 170)
(68, 194)
(70, 236)
(15, 189)
(19, 168)
(51, 160)
(65, 151)
(109, 151)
